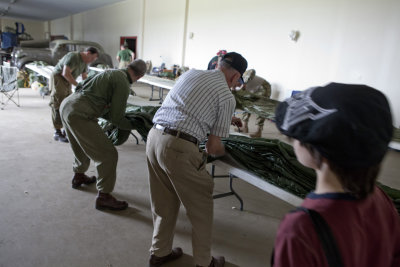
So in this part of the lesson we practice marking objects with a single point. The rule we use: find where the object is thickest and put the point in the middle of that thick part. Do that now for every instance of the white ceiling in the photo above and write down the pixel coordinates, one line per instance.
(48, 9)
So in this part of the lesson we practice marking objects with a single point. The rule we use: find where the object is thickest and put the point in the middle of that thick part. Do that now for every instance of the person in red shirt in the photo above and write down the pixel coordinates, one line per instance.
(342, 131)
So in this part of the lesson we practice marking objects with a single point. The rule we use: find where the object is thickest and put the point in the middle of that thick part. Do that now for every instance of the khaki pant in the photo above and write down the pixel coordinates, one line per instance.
(177, 174)
(89, 142)
(123, 64)
(60, 88)
(259, 120)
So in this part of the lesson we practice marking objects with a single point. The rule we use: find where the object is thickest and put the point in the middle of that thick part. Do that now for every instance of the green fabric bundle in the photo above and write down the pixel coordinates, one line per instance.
(141, 119)
(256, 104)
(275, 162)
(272, 160)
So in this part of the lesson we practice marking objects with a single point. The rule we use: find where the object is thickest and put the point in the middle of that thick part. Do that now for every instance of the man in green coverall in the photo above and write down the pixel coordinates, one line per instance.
(102, 95)
(124, 57)
(64, 75)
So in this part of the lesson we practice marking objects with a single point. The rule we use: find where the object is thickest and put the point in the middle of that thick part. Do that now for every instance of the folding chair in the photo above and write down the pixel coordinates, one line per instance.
(8, 85)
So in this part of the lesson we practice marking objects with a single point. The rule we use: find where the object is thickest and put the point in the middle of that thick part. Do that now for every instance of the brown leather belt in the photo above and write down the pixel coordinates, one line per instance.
(177, 133)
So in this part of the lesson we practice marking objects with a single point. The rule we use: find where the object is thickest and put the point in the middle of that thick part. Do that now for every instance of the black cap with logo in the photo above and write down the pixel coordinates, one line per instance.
(349, 124)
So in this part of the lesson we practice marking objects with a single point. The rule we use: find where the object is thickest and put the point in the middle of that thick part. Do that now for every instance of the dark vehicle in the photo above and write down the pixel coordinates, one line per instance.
(56, 50)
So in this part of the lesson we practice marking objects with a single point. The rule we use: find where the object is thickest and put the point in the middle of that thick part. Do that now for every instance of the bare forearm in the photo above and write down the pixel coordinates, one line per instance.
(68, 75)
(70, 78)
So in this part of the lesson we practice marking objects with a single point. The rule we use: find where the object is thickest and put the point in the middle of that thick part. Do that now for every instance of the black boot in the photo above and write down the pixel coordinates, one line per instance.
(81, 178)
(59, 136)
(107, 201)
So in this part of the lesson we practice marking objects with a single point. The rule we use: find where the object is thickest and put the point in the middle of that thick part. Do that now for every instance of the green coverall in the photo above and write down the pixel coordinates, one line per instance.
(102, 95)
(60, 88)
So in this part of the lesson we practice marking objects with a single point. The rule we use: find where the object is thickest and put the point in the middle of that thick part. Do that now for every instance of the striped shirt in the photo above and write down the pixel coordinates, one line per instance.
(200, 103)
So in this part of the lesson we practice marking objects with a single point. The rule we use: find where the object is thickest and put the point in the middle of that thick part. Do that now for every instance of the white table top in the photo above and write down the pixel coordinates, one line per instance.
(140, 101)
(157, 81)
(149, 79)
(233, 167)
(42, 70)
(394, 145)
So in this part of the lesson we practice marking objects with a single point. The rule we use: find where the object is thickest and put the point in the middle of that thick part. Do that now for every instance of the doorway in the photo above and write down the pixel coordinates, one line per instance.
(130, 41)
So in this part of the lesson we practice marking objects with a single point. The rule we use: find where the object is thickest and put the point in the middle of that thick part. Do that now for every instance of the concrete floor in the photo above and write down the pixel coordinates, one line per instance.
(44, 222)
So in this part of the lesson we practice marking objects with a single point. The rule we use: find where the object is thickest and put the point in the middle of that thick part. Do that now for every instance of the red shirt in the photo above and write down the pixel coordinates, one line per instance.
(366, 231)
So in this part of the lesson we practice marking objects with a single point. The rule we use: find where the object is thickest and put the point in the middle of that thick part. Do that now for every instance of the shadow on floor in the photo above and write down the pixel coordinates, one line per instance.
(187, 260)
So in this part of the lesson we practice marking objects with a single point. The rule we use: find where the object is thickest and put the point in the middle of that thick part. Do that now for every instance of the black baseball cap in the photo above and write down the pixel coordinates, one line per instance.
(236, 61)
(349, 124)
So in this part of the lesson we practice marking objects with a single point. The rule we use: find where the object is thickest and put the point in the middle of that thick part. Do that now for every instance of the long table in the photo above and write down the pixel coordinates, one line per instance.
(45, 71)
(236, 170)
(161, 83)
(154, 81)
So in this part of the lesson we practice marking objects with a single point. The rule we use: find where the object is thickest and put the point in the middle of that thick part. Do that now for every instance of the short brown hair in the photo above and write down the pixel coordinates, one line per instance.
(138, 66)
(359, 181)
(92, 50)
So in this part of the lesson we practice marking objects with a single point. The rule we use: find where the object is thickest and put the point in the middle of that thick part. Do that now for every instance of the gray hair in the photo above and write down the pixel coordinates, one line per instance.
(138, 66)
(224, 66)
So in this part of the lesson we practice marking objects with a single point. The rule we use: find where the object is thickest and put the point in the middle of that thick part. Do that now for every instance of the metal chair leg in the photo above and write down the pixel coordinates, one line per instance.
(137, 140)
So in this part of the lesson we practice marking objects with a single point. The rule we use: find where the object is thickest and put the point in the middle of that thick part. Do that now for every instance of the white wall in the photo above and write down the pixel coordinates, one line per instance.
(61, 27)
(104, 25)
(164, 31)
(352, 41)
(343, 41)
(78, 30)
(34, 28)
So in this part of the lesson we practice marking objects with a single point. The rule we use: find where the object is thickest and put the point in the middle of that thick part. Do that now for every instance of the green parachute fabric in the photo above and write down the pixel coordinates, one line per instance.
(141, 118)
(272, 160)
(256, 104)
(275, 162)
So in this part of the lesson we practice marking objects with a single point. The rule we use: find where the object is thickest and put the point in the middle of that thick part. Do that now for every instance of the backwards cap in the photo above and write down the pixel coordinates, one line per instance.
(348, 124)
(237, 62)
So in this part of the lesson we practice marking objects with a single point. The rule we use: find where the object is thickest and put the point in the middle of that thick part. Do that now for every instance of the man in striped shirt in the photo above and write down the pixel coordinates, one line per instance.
(200, 104)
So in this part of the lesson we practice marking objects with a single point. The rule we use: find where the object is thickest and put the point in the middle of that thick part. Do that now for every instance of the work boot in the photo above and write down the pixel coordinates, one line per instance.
(218, 261)
(159, 261)
(81, 178)
(107, 201)
(244, 128)
(257, 133)
(59, 136)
